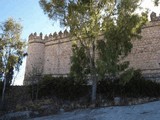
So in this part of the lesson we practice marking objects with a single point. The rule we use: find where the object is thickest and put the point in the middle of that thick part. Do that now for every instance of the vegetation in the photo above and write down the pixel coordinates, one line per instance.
(137, 87)
(87, 20)
(156, 2)
(69, 89)
(62, 88)
(11, 51)
(93, 58)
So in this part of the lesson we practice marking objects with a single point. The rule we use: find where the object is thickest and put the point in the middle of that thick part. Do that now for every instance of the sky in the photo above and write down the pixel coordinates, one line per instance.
(33, 19)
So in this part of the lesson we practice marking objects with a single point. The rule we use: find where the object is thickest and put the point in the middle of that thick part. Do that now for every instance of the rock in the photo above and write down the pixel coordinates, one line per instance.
(61, 110)
(48, 109)
(117, 100)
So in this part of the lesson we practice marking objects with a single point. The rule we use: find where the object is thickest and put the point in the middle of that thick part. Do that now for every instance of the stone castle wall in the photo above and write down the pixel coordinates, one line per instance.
(145, 54)
(51, 54)
(57, 55)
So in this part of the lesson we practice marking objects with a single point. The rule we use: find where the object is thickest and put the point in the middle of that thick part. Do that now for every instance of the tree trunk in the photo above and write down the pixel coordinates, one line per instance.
(37, 88)
(93, 73)
(94, 89)
(3, 92)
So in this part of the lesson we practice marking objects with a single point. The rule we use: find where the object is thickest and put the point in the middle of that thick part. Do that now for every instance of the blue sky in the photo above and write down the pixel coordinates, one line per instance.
(32, 18)
(29, 13)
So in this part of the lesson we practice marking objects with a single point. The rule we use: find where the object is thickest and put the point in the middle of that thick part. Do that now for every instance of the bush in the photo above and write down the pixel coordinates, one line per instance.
(67, 89)
(62, 87)
(139, 87)
(136, 87)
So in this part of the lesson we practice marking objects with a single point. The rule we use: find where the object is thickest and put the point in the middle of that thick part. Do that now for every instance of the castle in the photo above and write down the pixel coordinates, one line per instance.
(51, 54)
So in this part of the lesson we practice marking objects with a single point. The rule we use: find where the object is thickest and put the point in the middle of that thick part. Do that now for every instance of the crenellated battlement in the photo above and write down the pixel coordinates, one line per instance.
(33, 37)
(154, 17)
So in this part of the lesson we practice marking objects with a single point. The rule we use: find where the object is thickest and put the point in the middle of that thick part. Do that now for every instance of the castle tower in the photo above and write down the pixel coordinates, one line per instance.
(35, 59)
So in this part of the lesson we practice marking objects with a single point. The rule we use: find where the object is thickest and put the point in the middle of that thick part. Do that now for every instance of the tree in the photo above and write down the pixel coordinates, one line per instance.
(119, 33)
(156, 2)
(33, 82)
(11, 51)
(79, 68)
(88, 20)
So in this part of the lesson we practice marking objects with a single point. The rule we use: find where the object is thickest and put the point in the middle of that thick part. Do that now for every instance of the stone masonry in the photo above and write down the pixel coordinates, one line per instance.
(51, 54)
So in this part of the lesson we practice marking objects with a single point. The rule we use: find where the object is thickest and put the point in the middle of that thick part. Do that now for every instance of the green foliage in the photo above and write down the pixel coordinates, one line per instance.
(126, 76)
(136, 87)
(12, 49)
(156, 2)
(119, 33)
(63, 88)
(88, 20)
(79, 60)
(68, 89)
(11, 52)
(141, 87)
(54, 8)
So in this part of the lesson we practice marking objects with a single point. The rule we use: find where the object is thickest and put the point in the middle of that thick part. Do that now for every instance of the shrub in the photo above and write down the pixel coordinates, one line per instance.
(67, 88)
(62, 87)
(139, 87)
(136, 87)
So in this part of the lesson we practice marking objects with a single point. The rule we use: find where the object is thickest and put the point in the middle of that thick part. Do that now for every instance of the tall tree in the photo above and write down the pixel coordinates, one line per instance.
(11, 51)
(118, 33)
(88, 21)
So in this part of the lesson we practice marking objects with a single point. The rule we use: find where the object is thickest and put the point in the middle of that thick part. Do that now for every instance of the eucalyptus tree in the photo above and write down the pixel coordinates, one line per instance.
(89, 22)
(11, 51)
